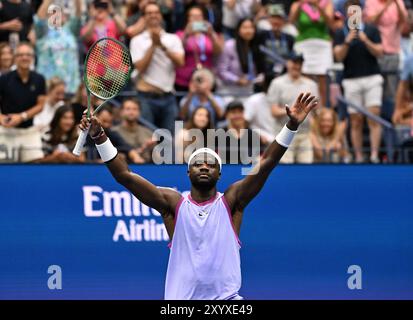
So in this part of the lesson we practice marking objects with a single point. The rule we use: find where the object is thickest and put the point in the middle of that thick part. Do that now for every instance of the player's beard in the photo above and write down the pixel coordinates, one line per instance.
(204, 185)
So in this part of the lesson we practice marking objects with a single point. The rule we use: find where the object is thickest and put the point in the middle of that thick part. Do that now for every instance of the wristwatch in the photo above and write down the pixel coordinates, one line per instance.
(24, 115)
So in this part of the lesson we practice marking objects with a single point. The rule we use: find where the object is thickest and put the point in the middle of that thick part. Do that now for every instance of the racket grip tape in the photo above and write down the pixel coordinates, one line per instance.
(80, 142)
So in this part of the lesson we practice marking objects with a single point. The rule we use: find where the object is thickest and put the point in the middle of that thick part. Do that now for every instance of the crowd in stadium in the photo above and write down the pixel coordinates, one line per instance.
(230, 64)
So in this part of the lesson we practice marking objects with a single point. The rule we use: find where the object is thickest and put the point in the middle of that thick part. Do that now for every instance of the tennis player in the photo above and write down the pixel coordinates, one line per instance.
(204, 261)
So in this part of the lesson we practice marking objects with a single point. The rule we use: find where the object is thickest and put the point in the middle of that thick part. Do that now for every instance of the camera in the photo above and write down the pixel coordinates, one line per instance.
(199, 79)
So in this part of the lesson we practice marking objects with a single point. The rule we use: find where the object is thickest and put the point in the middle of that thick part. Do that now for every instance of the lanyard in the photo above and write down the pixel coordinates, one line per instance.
(102, 32)
(201, 42)
(283, 41)
(251, 73)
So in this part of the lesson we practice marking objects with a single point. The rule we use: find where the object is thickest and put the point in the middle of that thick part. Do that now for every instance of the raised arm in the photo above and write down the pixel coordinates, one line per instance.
(163, 200)
(243, 191)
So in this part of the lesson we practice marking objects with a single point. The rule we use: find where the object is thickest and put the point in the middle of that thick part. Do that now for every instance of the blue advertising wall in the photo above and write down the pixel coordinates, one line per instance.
(299, 235)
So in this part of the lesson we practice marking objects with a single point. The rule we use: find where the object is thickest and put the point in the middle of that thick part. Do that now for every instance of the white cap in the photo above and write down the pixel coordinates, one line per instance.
(208, 151)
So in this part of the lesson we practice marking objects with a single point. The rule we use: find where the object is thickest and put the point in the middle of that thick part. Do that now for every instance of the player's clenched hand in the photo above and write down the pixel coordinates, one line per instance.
(93, 124)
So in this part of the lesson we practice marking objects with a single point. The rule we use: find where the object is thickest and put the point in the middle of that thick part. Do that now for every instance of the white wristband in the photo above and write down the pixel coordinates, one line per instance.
(285, 136)
(106, 150)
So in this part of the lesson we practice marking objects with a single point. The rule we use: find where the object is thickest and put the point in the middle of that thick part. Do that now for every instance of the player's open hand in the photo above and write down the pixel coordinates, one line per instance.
(301, 108)
(92, 123)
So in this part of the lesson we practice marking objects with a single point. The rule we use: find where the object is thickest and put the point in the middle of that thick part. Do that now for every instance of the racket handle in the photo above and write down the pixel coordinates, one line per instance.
(80, 142)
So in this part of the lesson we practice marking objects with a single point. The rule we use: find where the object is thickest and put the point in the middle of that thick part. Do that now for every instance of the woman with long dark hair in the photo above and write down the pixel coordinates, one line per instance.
(201, 119)
(240, 66)
(59, 141)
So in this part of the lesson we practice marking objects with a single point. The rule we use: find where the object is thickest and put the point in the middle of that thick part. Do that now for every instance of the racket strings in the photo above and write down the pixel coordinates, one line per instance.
(107, 68)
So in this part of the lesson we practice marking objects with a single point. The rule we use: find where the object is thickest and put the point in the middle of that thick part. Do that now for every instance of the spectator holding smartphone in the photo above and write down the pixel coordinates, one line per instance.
(214, 13)
(200, 94)
(103, 22)
(201, 43)
(359, 51)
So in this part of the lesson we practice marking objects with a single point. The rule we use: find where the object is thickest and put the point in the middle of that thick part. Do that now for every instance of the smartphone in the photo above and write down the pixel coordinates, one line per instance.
(199, 26)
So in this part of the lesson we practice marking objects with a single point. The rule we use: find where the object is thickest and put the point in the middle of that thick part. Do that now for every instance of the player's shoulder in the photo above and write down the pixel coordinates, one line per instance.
(170, 192)
(172, 196)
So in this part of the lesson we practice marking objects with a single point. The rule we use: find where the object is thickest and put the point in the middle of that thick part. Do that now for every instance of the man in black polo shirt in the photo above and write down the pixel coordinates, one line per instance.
(363, 84)
(22, 95)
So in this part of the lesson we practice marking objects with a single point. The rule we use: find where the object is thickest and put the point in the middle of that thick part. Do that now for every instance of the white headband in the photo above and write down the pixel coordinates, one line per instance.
(208, 151)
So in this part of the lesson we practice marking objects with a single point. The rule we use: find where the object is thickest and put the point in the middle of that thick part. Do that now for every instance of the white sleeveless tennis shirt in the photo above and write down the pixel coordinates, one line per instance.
(204, 261)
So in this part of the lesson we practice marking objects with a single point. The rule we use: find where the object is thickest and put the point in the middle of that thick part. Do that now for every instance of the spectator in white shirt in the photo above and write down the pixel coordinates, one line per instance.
(258, 114)
(55, 98)
(156, 54)
(284, 90)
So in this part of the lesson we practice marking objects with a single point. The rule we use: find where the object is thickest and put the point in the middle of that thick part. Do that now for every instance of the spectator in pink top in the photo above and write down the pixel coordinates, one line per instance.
(103, 22)
(201, 44)
(389, 17)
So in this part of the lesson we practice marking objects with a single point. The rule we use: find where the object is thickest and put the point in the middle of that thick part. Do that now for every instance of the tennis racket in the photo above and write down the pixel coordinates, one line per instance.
(107, 70)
